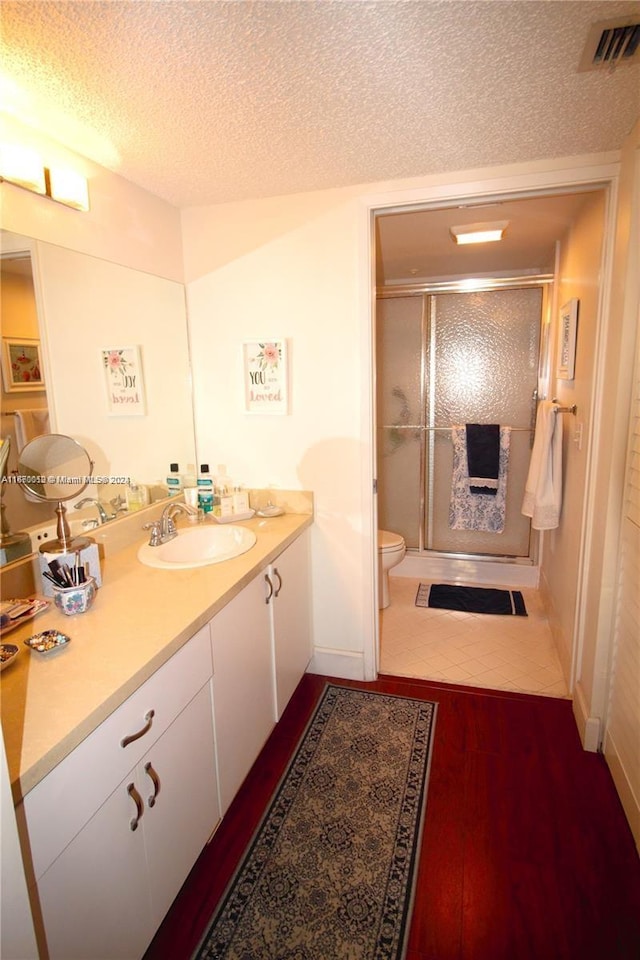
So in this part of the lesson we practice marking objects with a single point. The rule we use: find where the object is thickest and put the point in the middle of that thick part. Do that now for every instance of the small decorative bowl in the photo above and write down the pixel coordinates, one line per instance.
(78, 599)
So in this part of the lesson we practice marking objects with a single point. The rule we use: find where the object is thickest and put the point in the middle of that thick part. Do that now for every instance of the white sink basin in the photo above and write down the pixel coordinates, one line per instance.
(198, 547)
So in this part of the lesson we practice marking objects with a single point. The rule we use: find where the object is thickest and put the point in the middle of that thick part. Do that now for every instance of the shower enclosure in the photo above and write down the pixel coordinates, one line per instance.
(445, 358)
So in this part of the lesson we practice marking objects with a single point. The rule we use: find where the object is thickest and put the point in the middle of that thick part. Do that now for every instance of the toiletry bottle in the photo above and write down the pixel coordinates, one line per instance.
(240, 499)
(223, 493)
(205, 489)
(189, 479)
(137, 496)
(174, 480)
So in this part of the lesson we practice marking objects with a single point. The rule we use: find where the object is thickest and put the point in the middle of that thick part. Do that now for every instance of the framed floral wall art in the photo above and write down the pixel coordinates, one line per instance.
(123, 381)
(21, 365)
(265, 376)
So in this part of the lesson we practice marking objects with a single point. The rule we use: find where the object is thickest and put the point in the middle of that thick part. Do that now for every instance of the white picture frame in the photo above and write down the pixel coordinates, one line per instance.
(567, 338)
(266, 376)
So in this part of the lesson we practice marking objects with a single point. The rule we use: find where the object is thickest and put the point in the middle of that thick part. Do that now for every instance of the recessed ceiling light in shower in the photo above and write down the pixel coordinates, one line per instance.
(479, 232)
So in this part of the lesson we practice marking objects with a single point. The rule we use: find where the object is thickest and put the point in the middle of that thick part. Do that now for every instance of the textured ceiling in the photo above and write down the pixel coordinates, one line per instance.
(206, 100)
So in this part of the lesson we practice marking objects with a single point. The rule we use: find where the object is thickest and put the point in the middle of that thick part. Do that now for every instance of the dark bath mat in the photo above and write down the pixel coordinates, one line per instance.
(471, 599)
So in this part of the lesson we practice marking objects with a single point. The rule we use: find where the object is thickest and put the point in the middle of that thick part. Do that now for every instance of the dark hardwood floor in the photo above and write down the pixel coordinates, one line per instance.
(526, 852)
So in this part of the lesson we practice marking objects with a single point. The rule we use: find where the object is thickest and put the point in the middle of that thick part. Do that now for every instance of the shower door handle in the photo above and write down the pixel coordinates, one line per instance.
(534, 414)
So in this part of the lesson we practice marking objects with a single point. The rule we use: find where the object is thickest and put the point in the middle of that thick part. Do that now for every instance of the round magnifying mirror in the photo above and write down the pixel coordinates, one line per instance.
(56, 468)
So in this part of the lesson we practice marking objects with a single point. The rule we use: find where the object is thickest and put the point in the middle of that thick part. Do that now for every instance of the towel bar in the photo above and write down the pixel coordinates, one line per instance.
(572, 409)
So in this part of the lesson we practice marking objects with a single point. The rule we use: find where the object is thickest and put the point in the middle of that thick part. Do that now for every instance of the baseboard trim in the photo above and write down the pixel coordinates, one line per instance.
(630, 803)
(588, 727)
(345, 664)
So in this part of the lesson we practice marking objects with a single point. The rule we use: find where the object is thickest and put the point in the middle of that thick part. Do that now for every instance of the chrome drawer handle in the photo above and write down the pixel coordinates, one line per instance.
(155, 779)
(136, 736)
(279, 582)
(137, 799)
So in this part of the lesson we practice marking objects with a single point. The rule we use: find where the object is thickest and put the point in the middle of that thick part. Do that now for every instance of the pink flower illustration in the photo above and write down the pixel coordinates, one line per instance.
(269, 356)
(113, 360)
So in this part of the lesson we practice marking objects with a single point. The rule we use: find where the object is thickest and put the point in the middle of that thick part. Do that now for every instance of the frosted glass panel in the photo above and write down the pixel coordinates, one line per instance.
(484, 370)
(399, 351)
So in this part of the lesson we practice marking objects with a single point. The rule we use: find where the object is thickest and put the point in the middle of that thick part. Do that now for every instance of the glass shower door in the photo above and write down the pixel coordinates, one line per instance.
(448, 359)
(483, 368)
(400, 416)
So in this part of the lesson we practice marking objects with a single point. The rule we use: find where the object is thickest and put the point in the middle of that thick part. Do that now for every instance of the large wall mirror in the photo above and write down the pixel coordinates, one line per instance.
(64, 318)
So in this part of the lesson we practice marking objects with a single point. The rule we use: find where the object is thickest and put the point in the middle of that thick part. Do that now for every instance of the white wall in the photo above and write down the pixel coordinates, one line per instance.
(579, 276)
(293, 276)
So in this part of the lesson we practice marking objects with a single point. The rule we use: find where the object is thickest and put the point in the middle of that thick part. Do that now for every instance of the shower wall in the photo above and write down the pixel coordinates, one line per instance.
(445, 359)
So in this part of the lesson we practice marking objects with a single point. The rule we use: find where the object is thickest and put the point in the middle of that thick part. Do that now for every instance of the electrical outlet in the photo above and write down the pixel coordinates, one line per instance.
(577, 436)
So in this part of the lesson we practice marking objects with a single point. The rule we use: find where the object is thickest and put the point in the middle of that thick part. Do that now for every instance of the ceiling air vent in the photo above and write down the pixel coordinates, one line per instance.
(610, 44)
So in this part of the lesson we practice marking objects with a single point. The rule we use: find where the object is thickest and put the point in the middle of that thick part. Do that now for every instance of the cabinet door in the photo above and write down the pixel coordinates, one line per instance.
(291, 619)
(108, 891)
(243, 700)
(178, 786)
(95, 897)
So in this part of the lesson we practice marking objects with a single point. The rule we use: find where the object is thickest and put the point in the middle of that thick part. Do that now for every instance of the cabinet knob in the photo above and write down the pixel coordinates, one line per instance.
(137, 799)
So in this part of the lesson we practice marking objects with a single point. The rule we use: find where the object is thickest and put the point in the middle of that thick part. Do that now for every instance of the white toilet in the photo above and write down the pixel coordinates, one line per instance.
(391, 550)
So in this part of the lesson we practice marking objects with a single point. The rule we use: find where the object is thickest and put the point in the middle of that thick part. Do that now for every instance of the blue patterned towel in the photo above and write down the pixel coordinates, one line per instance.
(472, 511)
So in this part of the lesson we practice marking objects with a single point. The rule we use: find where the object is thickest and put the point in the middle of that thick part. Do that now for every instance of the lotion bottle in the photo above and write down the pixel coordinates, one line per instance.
(240, 500)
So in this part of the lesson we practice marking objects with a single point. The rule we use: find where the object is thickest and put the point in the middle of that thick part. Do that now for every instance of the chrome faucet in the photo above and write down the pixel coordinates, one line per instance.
(102, 513)
(164, 529)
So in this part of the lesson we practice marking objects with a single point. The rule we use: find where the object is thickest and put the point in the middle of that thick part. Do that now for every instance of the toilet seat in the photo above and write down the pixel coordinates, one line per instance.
(389, 542)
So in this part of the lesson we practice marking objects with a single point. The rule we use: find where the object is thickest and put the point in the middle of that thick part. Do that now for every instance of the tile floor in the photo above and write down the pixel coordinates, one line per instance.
(480, 650)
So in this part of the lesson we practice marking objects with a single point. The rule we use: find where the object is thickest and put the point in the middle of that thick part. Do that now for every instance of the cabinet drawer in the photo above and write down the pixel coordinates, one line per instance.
(59, 806)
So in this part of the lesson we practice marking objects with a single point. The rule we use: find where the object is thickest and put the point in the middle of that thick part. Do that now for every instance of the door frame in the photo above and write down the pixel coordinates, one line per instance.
(540, 180)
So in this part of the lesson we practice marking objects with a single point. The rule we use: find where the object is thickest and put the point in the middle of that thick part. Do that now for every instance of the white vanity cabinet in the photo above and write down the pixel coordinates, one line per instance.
(109, 862)
(289, 602)
(261, 645)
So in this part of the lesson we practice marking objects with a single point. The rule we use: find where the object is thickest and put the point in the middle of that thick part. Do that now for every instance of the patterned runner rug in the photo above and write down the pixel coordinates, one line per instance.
(329, 872)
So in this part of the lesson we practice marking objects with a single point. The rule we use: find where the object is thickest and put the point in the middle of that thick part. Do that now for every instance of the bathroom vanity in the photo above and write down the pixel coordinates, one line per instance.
(126, 747)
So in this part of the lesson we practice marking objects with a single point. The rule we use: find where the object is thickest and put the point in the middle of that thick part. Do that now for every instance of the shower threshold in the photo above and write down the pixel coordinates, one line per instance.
(468, 568)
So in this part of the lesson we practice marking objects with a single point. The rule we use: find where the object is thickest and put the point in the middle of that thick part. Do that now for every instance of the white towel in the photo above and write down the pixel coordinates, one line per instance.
(543, 489)
(474, 511)
(30, 424)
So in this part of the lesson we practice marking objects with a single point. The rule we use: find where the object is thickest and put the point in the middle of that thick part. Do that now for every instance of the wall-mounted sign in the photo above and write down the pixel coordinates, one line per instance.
(123, 381)
(265, 376)
(567, 336)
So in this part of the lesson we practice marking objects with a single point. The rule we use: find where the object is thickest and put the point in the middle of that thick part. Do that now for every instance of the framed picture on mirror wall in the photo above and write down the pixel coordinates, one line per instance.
(124, 382)
(567, 336)
(21, 365)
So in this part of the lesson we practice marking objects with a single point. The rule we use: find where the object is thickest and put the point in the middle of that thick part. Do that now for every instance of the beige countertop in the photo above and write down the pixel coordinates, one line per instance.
(140, 618)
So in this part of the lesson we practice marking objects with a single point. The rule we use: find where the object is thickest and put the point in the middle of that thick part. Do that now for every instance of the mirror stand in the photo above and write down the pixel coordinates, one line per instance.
(56, 468)
(64, 543)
